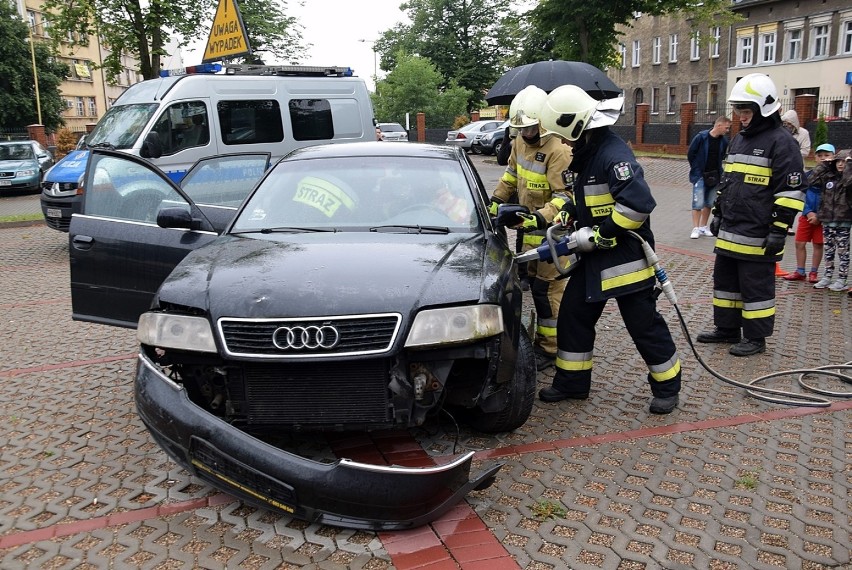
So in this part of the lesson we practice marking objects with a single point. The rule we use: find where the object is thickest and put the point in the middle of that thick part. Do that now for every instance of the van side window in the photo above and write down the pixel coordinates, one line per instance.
(250, 122)
(183, 125)
(311, 119)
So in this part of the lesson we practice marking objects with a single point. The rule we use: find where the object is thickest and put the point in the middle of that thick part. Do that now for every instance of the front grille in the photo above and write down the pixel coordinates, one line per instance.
(62, 224)
(318, 394)
(7, 174)
(358, 335)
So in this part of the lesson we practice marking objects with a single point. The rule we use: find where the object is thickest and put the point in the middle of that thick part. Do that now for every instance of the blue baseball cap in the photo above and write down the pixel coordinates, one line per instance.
(827, 147)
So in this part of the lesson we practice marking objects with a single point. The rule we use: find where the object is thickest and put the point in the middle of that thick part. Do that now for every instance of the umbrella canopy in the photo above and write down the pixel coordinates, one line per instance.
(549, 75)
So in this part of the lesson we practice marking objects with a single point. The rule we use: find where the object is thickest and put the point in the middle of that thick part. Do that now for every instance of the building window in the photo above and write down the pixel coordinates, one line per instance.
(819, 41)
(671, 100)
(656, 49)
(794, 45)
(81, 107)
(744, 49)
(622, 49)
(635, 53)
(673, 48)
(846, 37)
(693, 93)
(93, 107)
(712, 97)
(655, 99)
(717, 38)
(767, 47)
(695, 47)
(31, 18)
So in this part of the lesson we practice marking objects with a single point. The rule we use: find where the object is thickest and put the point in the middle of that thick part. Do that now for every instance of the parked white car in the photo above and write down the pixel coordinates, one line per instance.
(393, 132)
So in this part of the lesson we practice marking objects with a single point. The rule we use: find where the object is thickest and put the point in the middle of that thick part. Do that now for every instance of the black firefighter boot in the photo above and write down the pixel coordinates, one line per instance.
(720, 335)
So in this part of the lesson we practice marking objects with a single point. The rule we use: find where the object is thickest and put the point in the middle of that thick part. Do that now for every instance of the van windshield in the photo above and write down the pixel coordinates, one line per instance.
(122, 125)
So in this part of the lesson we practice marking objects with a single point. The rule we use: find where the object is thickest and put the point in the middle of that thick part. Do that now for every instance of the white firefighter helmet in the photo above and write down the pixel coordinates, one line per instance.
(756, 88)
(525, 107)
(567, 111)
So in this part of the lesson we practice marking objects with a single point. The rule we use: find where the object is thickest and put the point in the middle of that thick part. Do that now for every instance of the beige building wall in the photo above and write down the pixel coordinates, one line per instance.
(86, 92)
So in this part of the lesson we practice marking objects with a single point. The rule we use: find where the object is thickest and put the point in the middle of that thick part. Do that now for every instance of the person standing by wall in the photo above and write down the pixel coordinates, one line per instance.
(705, 155)
(536, 172)
(808, 228)
(613, 198)
(761, 192)
(790, 120)
(835, 215)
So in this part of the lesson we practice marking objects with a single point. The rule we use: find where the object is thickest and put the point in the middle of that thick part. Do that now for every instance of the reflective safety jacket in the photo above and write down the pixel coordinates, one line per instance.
(762, 189)
(610, 191)
(535, 172)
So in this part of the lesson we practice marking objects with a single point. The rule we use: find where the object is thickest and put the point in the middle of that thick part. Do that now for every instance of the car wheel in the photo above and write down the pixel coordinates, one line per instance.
(521, 395)
(476, 149)
(497, 146)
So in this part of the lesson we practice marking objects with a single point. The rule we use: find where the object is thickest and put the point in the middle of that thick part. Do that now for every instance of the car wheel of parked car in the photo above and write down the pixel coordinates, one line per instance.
(497, 146)
(521, 394)
(476, 149)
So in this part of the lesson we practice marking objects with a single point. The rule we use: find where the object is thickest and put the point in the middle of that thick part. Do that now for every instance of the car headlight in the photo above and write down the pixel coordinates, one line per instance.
(454, 325)
(176, 331)
(30, 172)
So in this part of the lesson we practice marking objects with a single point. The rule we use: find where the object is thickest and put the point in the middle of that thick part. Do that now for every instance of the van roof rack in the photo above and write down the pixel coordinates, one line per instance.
(288, 70)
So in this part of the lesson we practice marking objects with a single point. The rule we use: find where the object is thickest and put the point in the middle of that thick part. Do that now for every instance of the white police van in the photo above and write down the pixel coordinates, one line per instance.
(184, 116)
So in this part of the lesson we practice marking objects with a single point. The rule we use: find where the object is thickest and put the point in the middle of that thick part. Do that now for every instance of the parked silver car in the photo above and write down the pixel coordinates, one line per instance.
(464, 136)
(393, 132)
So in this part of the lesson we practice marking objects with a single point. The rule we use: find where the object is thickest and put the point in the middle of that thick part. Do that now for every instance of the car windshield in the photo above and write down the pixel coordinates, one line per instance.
(378, 194)
(121, 125)
(16, 152)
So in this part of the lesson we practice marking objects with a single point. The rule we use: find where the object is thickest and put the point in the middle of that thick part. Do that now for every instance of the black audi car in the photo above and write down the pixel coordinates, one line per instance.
(358, 287)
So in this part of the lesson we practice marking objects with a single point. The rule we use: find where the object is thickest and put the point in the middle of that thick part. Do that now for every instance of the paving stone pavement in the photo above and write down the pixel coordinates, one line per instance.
(725, 482)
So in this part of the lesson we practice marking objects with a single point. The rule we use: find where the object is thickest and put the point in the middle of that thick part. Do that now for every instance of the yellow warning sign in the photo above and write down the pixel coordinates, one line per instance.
(228, 36)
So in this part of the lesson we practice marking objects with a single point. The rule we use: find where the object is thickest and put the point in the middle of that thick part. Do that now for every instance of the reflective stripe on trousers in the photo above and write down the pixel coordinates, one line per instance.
(744, 296)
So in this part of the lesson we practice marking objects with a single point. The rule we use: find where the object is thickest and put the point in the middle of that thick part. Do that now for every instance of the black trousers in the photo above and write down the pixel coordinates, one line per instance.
(744, 296)
(575, 334)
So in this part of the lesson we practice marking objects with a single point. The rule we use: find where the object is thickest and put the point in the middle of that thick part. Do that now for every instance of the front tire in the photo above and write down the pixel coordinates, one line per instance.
(521, 395)
(497, 146)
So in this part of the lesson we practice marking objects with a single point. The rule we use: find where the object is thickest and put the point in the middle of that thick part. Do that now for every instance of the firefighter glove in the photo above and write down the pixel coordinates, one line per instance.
(532, 221)
(563, 218)
(492, 207)
(602, 242)
(510, 215)
(714, 225)
(774, 243)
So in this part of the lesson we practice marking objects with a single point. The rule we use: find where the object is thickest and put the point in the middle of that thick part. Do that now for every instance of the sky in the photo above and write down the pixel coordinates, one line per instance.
(335, 29)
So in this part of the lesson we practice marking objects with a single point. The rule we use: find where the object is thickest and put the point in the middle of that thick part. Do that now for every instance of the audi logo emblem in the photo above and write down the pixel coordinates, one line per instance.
(307, 338)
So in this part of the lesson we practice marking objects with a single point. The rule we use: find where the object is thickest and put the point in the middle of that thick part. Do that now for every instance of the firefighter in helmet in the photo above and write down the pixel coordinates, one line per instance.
(611, 197)
(538, 173)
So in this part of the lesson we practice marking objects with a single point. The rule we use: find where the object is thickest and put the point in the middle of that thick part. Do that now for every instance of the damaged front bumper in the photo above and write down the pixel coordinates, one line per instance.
(343, 493)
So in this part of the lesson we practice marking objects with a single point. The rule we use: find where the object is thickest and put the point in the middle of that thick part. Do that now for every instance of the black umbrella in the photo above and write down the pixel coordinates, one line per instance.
(549, 75)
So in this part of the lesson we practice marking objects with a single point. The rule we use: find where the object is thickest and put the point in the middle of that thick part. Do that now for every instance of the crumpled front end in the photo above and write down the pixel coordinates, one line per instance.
(342, 493)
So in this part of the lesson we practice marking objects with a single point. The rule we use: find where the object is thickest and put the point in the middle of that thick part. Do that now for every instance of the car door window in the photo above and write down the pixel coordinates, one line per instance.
(183, 125)
(124, 190)
(224, 180)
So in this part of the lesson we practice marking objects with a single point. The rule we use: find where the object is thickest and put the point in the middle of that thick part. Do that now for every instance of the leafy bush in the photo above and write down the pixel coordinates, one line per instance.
(65, 142)
(821, 132)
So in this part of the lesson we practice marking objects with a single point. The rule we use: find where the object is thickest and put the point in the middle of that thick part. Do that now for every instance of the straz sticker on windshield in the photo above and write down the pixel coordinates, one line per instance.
(322, 195)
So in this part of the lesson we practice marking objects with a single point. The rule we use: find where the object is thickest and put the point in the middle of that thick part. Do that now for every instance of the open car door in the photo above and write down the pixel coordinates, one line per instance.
(119, 254)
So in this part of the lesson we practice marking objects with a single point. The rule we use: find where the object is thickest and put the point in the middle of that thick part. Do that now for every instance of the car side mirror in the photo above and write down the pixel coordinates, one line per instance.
(151, 146)
(177, 218)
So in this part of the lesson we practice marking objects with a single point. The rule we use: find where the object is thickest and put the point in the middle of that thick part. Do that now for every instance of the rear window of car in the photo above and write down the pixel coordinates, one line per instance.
(392, 128)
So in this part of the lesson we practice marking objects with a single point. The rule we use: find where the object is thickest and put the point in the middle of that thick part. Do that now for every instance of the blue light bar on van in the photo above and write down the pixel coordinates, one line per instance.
(289, 70)
(192, 69)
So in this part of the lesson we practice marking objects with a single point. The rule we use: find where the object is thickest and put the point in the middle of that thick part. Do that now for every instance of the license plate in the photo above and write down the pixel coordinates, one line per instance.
(5, 182)
(54, 213)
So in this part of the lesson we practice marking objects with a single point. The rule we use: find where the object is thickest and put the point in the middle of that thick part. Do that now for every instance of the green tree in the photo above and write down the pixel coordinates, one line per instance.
(18, 103)
(415, 85)
(469, 41)
(144, 29)
(582, 30)
(821, 131)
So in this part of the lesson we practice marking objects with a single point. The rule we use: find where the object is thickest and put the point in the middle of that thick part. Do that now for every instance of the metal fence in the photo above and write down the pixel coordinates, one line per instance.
(831, 108)
(14, 134)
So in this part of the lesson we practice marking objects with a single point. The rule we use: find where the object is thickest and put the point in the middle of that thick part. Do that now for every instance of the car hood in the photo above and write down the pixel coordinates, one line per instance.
(322, 274)
(70, 168)
(18, 164)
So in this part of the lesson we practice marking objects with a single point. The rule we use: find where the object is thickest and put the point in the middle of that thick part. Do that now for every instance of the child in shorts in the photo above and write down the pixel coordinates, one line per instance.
(835, 215)
(809, 228)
